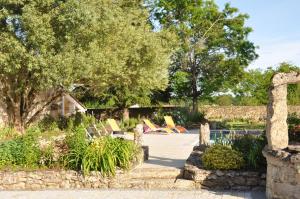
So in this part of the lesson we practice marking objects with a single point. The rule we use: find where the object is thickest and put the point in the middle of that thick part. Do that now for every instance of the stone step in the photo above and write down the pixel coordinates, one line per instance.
(155, 173)
(157, 184)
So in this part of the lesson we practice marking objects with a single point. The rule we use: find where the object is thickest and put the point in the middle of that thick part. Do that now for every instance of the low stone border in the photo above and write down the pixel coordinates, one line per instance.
(37, 180)
(217, 179)
(63, 179)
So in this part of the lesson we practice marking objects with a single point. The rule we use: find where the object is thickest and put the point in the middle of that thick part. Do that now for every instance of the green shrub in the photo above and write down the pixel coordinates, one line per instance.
(222, 157)
(8, 133)
(106, 154)
(22, 151)
(130, 124)
(293, 120)
(47, 156)
(251, 147)
(182, 116)
(48, 123)
(103, 154)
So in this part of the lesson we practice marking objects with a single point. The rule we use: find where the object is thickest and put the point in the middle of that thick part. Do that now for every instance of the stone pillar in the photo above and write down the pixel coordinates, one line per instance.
(138, 134)
(204, 134)
(277, 112)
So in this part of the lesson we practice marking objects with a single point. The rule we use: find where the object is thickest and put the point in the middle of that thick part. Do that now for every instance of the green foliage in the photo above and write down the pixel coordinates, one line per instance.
(222, 157)
(293, 121)
(77, 145)
(8, 133)
(224, 100)
(117, 54)
(48, 123)
(106, 154)
(213, 46)
(21, 152)
(47, 156)
(103, 154)
(182, 116)
(222, 139)
(251, 148)
(130, 124)
(254, 85)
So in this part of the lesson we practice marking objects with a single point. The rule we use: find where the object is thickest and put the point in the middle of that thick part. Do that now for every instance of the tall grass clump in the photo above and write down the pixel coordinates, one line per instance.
(107, 154)
(7, 133)
(251, 148)
(77, 145)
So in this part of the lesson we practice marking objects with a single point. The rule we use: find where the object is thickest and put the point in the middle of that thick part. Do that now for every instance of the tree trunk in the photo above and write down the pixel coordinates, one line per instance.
(194, 92)
(13, 111)
(125, 114)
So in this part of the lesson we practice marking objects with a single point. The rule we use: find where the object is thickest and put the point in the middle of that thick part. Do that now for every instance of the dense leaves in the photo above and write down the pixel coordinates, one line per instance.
(251, 148)
(222, 157)
(106, 45)
(254, 86)
(213, 45)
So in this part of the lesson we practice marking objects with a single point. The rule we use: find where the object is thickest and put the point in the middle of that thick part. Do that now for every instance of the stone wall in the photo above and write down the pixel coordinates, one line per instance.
(37, 180)
(283, 176)
(217, 179)
(255, 113)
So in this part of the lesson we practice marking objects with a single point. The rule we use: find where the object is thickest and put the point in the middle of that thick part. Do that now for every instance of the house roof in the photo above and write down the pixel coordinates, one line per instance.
(77, 104)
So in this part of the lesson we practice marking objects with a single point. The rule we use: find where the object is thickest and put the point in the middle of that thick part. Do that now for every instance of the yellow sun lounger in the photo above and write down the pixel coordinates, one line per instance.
(171, 124)
(153, 128)
(113, 125)
(117, 131)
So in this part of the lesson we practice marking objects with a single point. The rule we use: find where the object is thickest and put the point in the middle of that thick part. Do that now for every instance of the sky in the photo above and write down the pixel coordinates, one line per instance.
(276, 29)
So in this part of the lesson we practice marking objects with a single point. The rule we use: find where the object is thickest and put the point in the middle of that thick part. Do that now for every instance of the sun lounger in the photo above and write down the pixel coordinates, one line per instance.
(153, 128)
(117, 132)
(171, 124)
(114, 126)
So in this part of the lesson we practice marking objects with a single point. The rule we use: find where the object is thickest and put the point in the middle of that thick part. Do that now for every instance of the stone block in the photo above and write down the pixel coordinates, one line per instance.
(204, 134)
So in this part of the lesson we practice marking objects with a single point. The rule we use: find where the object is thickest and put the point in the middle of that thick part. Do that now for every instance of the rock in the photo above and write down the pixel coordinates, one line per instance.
(219, 173)
(239, 180)
(294, 148)
(252, 181)
(18, 186)
(241, 188)
(204, 134)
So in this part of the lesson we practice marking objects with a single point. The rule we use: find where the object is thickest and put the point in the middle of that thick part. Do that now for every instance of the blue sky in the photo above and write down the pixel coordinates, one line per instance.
(276, 25)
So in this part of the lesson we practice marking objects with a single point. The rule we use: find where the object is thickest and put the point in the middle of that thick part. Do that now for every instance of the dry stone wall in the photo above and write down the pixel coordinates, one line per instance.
(256, 113)
(37, 180)
(283, 176)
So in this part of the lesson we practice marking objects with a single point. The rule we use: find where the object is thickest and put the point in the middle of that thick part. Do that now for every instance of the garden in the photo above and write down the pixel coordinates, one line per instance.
(63, 144)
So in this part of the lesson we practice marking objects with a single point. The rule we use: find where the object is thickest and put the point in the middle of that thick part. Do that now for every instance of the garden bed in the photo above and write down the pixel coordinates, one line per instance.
(221, 179)
(63, 179)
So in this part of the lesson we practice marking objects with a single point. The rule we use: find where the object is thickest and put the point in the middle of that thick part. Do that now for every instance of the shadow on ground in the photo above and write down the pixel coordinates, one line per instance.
(167, 162)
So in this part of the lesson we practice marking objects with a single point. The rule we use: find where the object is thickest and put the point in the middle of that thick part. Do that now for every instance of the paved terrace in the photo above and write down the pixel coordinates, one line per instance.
(169, 150)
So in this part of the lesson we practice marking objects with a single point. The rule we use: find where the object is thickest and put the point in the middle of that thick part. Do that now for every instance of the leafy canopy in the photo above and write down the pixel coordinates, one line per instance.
(213, 45)
(107, 45)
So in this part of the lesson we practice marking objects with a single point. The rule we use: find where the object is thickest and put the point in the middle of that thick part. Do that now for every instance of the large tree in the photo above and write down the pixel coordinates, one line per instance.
(51, 44)
(136, 57)
(214, 49)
